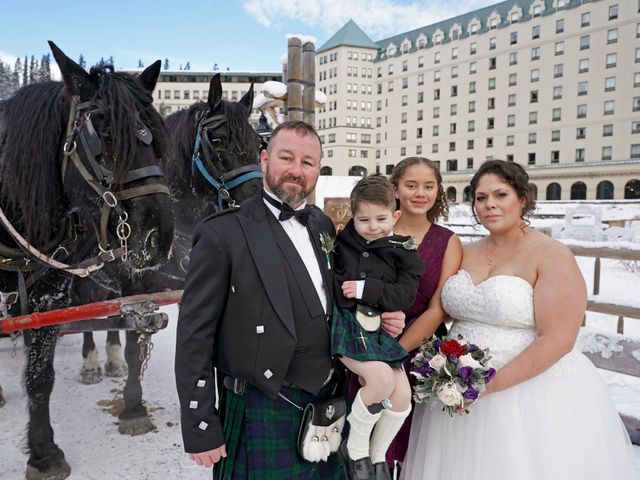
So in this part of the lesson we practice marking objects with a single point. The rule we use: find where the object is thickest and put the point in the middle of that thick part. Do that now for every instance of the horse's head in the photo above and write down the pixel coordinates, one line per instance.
(225, 157)
(114, 152)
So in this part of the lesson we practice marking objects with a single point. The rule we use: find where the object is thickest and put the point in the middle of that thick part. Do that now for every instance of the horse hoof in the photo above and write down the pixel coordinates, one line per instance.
(58, 472)
(112, 369)
(135, 426)
(90, 377)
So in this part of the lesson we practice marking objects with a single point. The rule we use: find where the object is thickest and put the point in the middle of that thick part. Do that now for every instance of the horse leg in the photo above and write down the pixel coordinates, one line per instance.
(2, 401)
(134, 419)
(91, 371)
(46, 459)
(115, 365)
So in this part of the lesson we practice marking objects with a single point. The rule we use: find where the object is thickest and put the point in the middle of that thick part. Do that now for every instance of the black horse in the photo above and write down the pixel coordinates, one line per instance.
(81, 184)
(215, 166)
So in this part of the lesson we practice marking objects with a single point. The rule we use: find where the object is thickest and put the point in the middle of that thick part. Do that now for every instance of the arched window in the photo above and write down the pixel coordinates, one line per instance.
(554, 191)
(578, 191)
(534, 190)
(632, 189)
(326, 171)
(466, 194)
(357, 171)
(604, 190)
(452, 194)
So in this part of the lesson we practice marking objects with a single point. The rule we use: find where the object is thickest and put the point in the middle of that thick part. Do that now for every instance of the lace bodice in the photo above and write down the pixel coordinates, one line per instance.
(497, 313)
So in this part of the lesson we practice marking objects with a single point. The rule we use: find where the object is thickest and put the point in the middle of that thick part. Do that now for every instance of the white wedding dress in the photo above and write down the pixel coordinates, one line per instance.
(559, 425)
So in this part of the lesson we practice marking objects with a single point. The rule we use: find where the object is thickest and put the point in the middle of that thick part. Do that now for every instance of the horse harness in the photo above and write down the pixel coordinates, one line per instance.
(82, 146)
(222, 182)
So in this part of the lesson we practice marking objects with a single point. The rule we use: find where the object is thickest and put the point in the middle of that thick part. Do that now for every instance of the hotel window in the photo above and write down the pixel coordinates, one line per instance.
(470, 144)
(556, 114)
(454, 109)
(535, 32)
(535, 53)
(419, 132)
(609, 84)
(532, 137)
(403, 134)
(390, 88)
(607, 130)
(636, 104)
(612, 35)
(612, 60)
(435, 131)
(635, 127)
(491, 103)
(537, 11)
(436, 57)
(405, 65)
(555, 156)
(582, 110)
(583, 88)
(492, 83)
(452, 146)
(436, 94)
(436, 112)
(492, 43)
(405, 82)
(176, 94)
(607, 152)
(418, 150)
(419, 115)
(638, 55)
(555, 135)
(514, 38)
(513, 58)
(473, 48)
(557, 92)
(535, 74)
(511, 100)
(454, 53)
(558, 70)
(493, 23)
(492, 63)
(420, 62)
(471, 126)
(420, 97)
(469, 163)
(585, 42)
(472, 87)
(421, 79)
(579, 154)
(403, 117)
(404, 100)
(583, 65)
(510, 140)
(513, 79)
(533, 118)
(489, 142)
(560, 25)
(511, 120)
(636, 79)
(434, 148)
(559, 48)
(454, 71)
(454, 90)
(473, 67)
(635, 150)
(452, 128)
(532, 159)
(437, 75)
(613, 12)
(452, 165)
(533, 96)
(585, 19)
(390, 69)
(515, 16)
(581, 132)
(491, 123)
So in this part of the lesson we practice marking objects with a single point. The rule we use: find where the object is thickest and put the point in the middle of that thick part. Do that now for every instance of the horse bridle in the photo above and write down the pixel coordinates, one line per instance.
(221, 182)
(83, 146)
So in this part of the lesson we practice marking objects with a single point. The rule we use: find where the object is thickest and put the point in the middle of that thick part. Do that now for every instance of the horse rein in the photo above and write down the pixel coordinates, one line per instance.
(223, 182)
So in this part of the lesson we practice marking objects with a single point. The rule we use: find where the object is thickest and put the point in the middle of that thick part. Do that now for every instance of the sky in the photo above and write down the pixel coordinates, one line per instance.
(242, 35)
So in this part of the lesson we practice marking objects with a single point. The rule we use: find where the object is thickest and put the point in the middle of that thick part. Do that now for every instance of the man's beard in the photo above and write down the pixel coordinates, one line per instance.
(284, 193)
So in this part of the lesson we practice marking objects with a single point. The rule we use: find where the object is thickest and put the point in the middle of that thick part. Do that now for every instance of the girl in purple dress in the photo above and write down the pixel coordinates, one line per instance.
(422, 200)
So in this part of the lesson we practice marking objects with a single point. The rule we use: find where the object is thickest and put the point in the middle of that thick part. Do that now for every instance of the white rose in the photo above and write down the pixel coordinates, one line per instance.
(468, 361)
(437, 362)
(449, 395)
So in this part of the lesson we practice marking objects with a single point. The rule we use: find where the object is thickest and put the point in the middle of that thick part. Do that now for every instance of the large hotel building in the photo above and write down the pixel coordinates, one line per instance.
(551, 84)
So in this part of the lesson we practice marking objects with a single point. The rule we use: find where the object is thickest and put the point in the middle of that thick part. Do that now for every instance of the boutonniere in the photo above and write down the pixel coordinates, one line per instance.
(328, 245)
(409, 244)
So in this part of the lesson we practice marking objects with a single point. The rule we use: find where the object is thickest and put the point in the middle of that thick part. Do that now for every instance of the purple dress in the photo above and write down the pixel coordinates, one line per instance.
(431, 250)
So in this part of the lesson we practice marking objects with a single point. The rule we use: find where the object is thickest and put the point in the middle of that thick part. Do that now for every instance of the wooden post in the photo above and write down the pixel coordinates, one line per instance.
(294, 79)
(596, 276)
(309, 82)
(285, 80)
(621, 325)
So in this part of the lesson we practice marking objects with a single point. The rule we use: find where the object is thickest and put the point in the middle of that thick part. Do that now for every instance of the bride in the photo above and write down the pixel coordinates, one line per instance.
(547, 414)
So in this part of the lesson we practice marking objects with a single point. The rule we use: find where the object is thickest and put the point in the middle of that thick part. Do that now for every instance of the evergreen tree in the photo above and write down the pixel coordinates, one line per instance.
(33, 70)
(17, 71)
(187, 66)
(166, 64)
(45, 68)
(25, 72)
(82, 62)
(140, 64)
(5, 80)
(111, 61)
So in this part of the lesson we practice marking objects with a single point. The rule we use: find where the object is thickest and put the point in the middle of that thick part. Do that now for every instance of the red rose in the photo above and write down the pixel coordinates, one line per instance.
(451, 347)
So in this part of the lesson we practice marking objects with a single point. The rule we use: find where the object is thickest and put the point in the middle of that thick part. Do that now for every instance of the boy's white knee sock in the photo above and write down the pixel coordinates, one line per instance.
(361, 422)
(386, 429)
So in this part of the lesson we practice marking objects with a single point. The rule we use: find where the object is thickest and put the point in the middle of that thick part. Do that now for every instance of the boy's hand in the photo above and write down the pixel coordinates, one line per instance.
(349, 288)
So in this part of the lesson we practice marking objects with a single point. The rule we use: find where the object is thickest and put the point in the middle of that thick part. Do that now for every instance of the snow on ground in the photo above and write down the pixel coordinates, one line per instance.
(89, 436)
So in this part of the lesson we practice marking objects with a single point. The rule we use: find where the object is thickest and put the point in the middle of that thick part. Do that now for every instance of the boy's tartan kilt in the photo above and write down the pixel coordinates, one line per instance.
(261, 438)
(348, 339)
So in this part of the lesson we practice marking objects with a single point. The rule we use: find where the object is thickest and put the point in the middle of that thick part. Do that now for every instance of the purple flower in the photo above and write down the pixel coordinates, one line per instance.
(473, 348)
(471, 393)
(437, 343)
(465, 373)
(425, 370)
(453, 357)
(489, 374)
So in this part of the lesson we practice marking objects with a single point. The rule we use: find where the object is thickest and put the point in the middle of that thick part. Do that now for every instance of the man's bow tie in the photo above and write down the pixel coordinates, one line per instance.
(286, 211)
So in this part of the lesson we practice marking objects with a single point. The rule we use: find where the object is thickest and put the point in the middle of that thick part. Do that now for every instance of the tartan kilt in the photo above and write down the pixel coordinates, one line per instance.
(347, 340)
(261, 436)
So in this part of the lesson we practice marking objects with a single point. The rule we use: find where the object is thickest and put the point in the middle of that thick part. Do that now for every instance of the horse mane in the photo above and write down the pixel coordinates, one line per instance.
(32, 129)
(182, 125)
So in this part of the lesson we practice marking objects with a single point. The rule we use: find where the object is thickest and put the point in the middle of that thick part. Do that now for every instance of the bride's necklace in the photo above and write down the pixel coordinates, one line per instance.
(491, 259)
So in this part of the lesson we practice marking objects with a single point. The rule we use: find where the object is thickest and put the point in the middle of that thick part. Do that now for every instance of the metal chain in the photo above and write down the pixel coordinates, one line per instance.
(146, 345)
(123, 231)
(14, 341)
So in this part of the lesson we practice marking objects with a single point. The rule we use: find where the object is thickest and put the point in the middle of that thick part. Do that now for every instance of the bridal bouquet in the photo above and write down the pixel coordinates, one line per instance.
(451, 372)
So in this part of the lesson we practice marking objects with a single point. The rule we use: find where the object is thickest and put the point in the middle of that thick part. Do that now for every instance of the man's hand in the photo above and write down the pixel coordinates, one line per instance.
(393, 322)
(350, 288)
(208, 458)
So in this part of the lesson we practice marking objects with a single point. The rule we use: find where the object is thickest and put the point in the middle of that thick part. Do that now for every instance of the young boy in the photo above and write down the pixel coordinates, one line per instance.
(375, 271)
